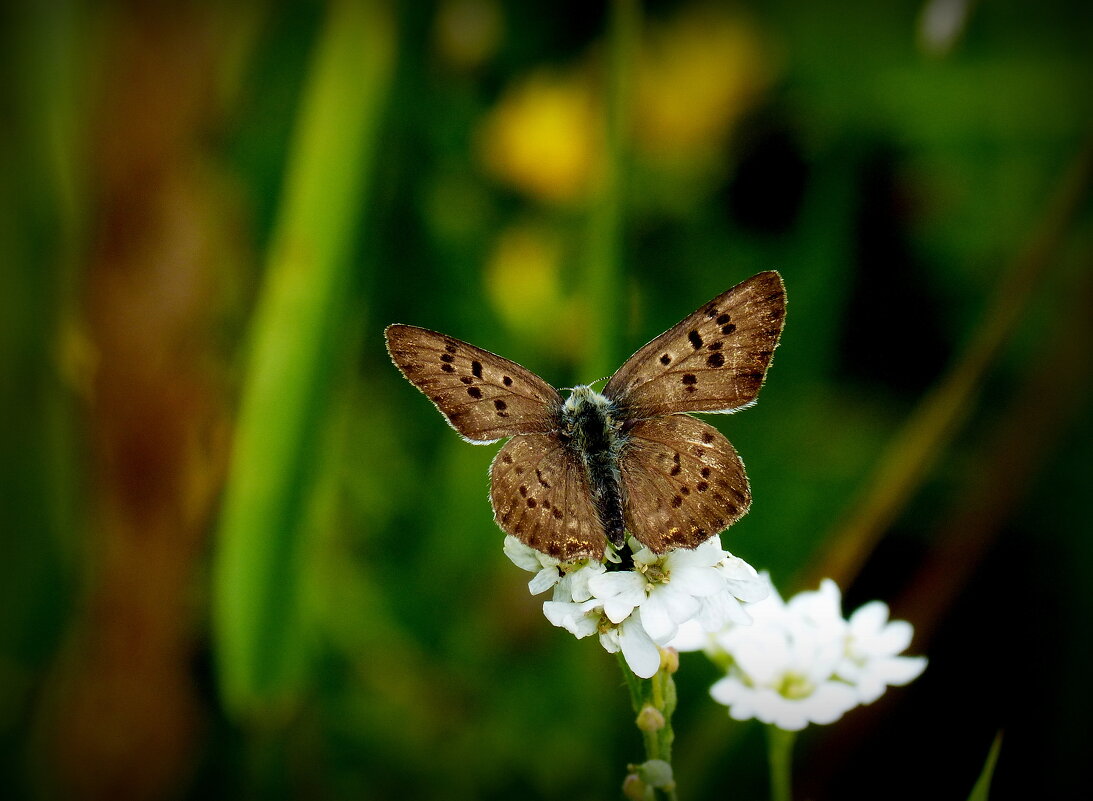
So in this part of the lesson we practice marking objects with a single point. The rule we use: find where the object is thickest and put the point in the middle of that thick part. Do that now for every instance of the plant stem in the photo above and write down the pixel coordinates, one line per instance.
(607, 212)
(780, 755)
(936, 419)
(660, 693)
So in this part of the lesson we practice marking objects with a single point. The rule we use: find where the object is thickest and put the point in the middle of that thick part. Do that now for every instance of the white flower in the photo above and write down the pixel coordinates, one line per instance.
(583, 619)
(871, 660)
(782, 669)
(638, 648)
(570, 581)
(579, 619)
(678, 586)
(680, 579)
(800, 662)
(620, 592)
(545, 567)
(742, 586)
(637, 610)
(870, 641)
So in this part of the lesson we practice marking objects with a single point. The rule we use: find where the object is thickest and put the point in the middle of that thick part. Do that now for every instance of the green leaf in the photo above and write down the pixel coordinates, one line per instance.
(294, 341)
(981, 790)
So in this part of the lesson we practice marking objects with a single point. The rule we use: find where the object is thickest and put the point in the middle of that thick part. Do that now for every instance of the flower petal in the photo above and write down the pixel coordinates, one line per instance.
(690, 637)
(656, 618)
(830, 701)
(698, 580)
(640, 652)
(544, 580)
(869, 619)
(572, 617)
(522, 556)
(621, 592)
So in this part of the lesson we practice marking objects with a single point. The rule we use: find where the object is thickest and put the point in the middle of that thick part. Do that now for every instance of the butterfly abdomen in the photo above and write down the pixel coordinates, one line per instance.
(595, 436)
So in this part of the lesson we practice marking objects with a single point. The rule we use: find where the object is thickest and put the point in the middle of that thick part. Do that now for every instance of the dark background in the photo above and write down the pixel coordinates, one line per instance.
(242, 557)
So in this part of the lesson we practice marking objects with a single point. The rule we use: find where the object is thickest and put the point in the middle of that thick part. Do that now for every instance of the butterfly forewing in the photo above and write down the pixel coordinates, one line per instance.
(712, 361)
(540, 494)
(485, 397)
(682, 481)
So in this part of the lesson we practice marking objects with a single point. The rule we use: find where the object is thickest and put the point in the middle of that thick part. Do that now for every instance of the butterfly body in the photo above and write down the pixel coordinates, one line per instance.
(593, 431)
(577, 474)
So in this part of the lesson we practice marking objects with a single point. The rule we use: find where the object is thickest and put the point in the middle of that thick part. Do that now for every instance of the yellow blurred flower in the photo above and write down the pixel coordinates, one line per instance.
(696, 76)
(522, 277)
(544, 137)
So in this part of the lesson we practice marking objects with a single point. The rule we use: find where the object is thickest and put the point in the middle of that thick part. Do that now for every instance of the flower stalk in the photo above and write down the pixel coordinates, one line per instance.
(654, 701)
(780, 757)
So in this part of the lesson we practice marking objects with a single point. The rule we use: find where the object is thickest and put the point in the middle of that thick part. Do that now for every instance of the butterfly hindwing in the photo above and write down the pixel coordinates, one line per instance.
(682, 482)
(483, 396)
(540, 494)
(714, 360)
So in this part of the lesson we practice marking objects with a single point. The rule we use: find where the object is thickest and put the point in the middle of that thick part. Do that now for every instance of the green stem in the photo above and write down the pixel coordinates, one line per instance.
(780, 754)
(660, 693)
(936, 419)
(607, 213)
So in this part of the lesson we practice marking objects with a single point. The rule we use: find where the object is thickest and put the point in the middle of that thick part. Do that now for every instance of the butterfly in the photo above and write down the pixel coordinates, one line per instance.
(581, 472)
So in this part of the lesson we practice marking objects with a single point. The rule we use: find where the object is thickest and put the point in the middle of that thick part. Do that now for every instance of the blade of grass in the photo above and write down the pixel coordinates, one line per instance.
(920, 441)
(293, 342)
(981, 790)
(607, 214)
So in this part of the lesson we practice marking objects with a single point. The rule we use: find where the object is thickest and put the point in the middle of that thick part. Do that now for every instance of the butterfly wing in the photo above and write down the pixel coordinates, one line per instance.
(540, 495)
(682, 482)
(712, 361)
(482, 395)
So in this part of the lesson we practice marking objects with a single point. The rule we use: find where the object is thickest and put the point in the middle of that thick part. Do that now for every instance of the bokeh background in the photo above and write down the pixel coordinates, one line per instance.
(242, 557)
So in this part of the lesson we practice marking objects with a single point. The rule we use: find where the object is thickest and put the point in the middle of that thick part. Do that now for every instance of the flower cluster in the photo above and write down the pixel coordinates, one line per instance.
(641, 609)
(801, 662)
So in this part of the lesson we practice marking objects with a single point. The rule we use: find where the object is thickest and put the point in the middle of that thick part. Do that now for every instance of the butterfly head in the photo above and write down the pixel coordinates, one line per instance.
(584, 395)
(591, 419)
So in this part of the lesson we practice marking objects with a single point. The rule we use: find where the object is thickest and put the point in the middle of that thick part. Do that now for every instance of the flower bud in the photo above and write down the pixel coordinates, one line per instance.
(635, 789)
(669, 660)
(657, 773)
(650, 718)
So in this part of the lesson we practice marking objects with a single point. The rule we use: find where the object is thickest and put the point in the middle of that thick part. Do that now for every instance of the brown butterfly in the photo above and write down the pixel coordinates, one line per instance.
(584, 471)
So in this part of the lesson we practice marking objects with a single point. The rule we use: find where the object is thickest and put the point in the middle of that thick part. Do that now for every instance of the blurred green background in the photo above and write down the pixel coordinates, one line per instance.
(242, 557)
